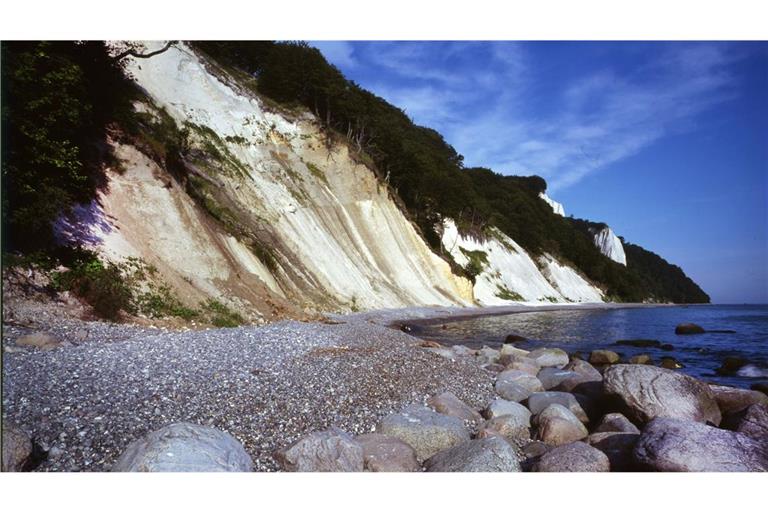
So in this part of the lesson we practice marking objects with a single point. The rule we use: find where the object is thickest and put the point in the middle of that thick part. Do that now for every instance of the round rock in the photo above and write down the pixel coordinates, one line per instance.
(557, 425)
(184, 447)
(603, 357)
(17, 448)
(449, 404)
(573, 457)
(387, 454)
(616, 422)
(648, 392)
(537, 402)
(549, 357)
(669, 444)
(731, 400)
(425, 430)
(492, 454)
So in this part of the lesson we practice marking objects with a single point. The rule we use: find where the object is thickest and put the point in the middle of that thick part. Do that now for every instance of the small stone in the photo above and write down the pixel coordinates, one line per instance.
(670, 363)
(537, 402)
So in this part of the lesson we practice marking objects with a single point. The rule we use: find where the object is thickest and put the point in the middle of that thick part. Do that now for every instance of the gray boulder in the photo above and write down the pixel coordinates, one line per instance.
(511, 391)
(648, 392)
(552, 377)
(387, 454)
(326, 451)
(573, 457)
(501, 407)
(585, 369)
(425, 430)
(732, 400)
(511, 350)
(618, 447)
(537, 402)
(549, 357)
(449, 404)
(753, 422)
(184, 447)
(492, 454)
(17, 448)
(520, 378)
(557, 425)
(616, 422)
(488, 355)
(514, 428)
(524, 364)
(603, 357)
(670, 444)
(41, 340)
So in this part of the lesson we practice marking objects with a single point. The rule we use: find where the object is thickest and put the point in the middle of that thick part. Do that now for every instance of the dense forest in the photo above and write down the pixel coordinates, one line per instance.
(64, 96)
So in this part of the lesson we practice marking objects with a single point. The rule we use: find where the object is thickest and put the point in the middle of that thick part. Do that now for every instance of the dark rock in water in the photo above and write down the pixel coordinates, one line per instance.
(16, 447)
(640, 359)
(731, 365)
(616, 422)
(731, 400)
(450, 404)
(387, 454)
(689, 329)
(722, 331)
(639, 343)
(670, 363)
(669, 444)
(760, 386)
(406, 328)
(603, 357)
(185, 447)
(667, 346)
(426, 431)
(618, 447)
(573, 457)
(647, 392)
(492, 454)
(514, 338)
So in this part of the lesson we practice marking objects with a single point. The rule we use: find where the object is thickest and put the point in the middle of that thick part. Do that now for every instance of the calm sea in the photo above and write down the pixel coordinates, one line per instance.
(585, 330)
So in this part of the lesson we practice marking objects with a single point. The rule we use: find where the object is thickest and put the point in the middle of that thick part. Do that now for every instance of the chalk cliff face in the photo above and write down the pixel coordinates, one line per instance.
(510, 274)
(610, 245)
(556, 207)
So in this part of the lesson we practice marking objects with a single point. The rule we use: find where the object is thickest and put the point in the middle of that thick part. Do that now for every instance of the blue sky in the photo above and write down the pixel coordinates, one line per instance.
(665, 141)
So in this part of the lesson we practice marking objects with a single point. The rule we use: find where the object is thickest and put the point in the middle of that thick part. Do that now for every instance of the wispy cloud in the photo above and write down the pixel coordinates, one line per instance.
(486, 99)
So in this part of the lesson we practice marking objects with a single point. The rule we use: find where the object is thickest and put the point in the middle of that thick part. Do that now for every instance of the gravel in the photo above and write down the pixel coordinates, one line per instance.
(267, 386)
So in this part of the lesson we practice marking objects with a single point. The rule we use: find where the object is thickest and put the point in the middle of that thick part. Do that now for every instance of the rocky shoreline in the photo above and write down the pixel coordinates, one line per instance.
(351, 395)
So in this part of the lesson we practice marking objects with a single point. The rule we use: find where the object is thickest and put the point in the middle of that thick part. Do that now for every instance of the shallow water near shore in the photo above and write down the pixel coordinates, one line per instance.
(584, 330)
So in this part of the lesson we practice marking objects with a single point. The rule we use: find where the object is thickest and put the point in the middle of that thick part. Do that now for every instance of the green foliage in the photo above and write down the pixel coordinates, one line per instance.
(478, 260)
(219, 315)
(316, 172)
(507, 294)
(57, 100)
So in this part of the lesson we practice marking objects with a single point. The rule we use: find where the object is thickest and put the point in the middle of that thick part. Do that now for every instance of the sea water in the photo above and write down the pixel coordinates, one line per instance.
(583, 330)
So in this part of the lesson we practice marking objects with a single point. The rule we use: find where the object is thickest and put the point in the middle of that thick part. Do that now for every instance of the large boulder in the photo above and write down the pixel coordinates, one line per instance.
(511, 391)
(537, 402)
(573, 457)
(731, 365)
(17, 448)
(689, 329)
(557, 425)
(753, 422)
(603, 357)
(648, 392)
(618, 447)
(549, 357)
(550, 378)
(511, 350)
(516, 385)
(732, 400)
(524, 364)
(387, 454)
(184, 447)
(584, 369)
(331, 450)
(488, 355)
(670, 444)
(616, 422)
(449, 404)
(492, 454)
(425, 430)
(514, 428)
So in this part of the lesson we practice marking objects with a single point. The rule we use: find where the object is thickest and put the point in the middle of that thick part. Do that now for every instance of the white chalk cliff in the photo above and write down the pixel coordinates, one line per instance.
(330, 236)
(610, 245)
(556, 207)
(510, 274)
